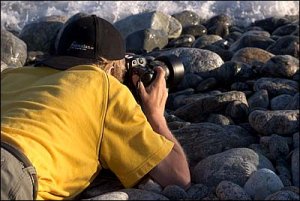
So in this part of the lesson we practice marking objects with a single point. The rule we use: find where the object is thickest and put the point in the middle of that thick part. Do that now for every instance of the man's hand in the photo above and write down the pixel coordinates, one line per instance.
(174, 168)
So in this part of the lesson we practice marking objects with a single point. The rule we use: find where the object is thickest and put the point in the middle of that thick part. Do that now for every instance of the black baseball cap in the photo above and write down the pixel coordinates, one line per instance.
(84, 40)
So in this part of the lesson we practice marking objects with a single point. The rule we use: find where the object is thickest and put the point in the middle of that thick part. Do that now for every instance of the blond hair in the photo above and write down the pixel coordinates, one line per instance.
(117, 65)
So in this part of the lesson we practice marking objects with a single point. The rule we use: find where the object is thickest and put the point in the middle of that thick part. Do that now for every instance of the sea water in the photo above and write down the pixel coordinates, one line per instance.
(16, 14)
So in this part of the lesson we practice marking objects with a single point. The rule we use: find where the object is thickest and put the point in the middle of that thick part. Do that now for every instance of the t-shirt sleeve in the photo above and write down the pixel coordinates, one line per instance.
(129, 147)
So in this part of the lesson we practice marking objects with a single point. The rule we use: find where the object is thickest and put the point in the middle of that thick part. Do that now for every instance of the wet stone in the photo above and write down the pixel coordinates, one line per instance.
(206, 84)
(187, 18)
(195, 30)
(227, 190)
(286, 45)
(206, 40)
(259, 100)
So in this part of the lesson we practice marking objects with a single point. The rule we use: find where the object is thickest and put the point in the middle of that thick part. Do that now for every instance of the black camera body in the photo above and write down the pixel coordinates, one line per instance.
(143, 66)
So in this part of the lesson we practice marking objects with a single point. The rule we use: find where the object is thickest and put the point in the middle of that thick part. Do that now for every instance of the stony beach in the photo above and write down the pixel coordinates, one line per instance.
(236, 111)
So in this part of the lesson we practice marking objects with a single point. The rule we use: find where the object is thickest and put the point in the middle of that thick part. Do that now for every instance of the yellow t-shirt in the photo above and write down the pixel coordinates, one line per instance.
(72, 123)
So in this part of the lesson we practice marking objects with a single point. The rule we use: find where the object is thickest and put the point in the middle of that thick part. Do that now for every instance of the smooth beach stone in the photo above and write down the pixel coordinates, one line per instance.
(197, 192)
(219, 119)
(227, 190)
(284, 173)
(282, 122)
(252, 56)
(239, 86)
(13, 50)
(187, 18)
(220, 29)
(150, 185)
(190, 80)
(280, 102)
(3, 66)
(283, 195)
(237, 110)
(225, 54)
(205, 40)
(185, 40)
(174, 192)
(197, 139)
(294, 189)
(129, 194)
(286, 45)
(258, 148)
(284, 66)
(295, 167)
(155, 20)
(195, 30)
(271, 23)
(219, 19)
(257, 33)
(259, 100)
(175, 28)
(206, 84)
(231, 71)
(146, 40)
(277, 86)
(196, 60)
(194, 111)
(287, 29)
(296, 140)
(278, 146)
(294, 103)
(174, 125)
(235, 165)
(248, 40)
(41, 35)
(233, 36)
(262, 183)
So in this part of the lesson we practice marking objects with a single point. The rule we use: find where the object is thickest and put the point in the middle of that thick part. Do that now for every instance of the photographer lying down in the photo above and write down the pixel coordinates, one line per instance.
(69, 117)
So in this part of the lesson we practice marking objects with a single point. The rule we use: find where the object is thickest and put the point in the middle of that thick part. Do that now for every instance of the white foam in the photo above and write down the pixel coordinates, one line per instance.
(16, 14)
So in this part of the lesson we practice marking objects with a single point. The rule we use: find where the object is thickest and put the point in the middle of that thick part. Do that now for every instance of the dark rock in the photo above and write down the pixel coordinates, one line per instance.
(277, 86)
(174, 192)
(225, 54)
(287, 29)
(185, 40)
(295, 167)
(196, 139)
(219, 119)
(284, 173)
(278, 147)
(286, 45)
(283, 195)
(282, 122)
(296, 140)
(206, 84)
(247, 40)
(206, 40)
(190, 80)
(13, 50)
(227, 190)
(239, 86)
(259, 100)
(271, 23)
(237, 110)
(220, 29)
(197, 192)
(262, 183)
(284, 66)
(281, 102)
(219, 19)
(195, 30)
(294, 103)
(235, 165)
(150, 185)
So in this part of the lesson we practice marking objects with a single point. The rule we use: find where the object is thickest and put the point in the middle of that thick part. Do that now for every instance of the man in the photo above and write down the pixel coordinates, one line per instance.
(65, 120)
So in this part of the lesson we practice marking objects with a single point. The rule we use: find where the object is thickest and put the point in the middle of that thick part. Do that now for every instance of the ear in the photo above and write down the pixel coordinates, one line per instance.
(110, 70)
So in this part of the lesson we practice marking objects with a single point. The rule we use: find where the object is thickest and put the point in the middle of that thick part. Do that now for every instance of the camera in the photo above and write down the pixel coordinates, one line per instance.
(143, 66)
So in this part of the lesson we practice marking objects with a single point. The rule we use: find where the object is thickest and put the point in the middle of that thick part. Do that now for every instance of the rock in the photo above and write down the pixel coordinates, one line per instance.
(253, 56)
(195, 30)
(225, 54)
(185, 40)
(227, 190)
(295, 167)
(130, 194)
(13, 50)
(150, 185)
(271, 23)
(219, 19)
(284, 66)
(235, 165)
(190, 80)
(286, 45)
(3, 66)
(237, 110)
(296, 140)
(281, 102)
(196, 139)
(277, 86)
(41, 35)
(283, 172)
(187, 18)
(197, 192)
(248, 40)
(294, 103)
(239, 86)
(262, 183)
(278, 147)
(174, 125)
(146, 40)
(154, 20)
(219, 119)
(174, 192)
(206, 84)
(282, 122)
(259, 100)
(197, 110)
(283, 195)
(287, 29)
(206, 40)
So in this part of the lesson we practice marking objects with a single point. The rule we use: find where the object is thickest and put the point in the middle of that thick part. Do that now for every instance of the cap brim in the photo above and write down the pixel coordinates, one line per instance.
(65, 62)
